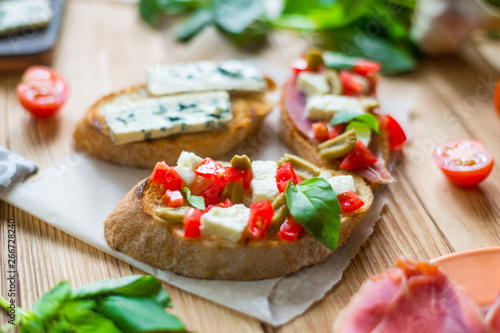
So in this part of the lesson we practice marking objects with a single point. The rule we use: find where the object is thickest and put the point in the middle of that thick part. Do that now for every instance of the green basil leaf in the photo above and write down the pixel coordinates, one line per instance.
(235, 16)
(195, 201)
(77, 316)
(363, 131)
(134, 314)
(193, 25)
(337, 60)
(133, 285)
(313, 203)
(49, 304)
(149, 12)
(345, 117)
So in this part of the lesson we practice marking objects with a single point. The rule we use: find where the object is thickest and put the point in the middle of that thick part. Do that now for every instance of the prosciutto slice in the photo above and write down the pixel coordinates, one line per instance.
(295, 104)
(414, 297)
(493, 317)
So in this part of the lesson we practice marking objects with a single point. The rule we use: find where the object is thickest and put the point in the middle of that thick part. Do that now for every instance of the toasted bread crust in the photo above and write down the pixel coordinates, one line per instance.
(308, 149)
(91, 135)
(132, 229)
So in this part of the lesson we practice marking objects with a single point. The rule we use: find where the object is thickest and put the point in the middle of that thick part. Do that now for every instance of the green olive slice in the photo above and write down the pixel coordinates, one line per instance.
(232, 191)
(303, 168)
(241, 162)
(171, 214)
(314, 60)
(280, 212)
(338, 146)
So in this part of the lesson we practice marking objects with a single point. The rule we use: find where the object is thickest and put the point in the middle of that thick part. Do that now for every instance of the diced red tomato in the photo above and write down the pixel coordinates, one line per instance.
(464, 162)
(211, 194)
(397, 136)
(358, 157)
(350, 85)
(298, 65)
(290, 230)
(166, 176)
(349, 201)
(366, 67)
(496, 97)
(42, 91)
(261, 214)
(207, 168)
(172, 198)
(247, 178)
(225, 175)
(322, 131)
(199, 184)
(226, 204)
(284, 174)
(192, 222)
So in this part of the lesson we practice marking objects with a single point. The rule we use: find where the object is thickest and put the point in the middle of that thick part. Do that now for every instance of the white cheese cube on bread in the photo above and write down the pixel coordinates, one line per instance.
(263, 183)
(323, 107)
(228, 222)
(310, 83)
(341, 184)
(186, 164)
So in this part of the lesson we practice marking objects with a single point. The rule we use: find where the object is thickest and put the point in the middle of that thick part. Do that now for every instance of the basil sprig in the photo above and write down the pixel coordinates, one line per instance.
(313, 203)
(195, 201)
(345, 117)
(131, 304)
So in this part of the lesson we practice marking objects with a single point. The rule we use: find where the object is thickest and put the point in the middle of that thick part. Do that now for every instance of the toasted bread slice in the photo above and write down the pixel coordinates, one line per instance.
(134, 229)
(307, 149)
(92, 135)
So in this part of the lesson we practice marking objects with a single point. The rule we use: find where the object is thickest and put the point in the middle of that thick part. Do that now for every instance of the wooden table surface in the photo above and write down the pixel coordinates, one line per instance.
(104, 47)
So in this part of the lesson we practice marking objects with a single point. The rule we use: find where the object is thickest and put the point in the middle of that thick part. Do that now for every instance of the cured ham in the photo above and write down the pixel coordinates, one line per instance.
(413, 297)
(295, 104)
(493, 317)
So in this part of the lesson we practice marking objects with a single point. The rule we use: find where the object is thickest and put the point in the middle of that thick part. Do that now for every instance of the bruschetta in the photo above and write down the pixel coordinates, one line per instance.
(207, 107)
(331, 117)
(237, 220)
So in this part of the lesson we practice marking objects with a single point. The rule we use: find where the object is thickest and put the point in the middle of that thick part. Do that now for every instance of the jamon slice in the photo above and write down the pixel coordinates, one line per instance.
(493, 317)
(414, 297)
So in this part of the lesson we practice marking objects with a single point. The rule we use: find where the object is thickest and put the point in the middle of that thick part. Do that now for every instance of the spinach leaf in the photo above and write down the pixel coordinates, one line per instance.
(345, 117)
(134, 314)
(235, 16)
(195, 201)
(194, 24)
(313, 203)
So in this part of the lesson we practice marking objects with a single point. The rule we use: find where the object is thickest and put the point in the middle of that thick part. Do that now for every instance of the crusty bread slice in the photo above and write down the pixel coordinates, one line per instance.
(134, 229)
(307, 149)
(92, 136)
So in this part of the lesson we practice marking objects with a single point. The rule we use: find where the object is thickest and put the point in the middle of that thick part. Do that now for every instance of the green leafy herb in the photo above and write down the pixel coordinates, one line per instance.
(374, 29)
(130, 304)
(345, 117)
(195, 201)
(338, 60)
(313, 203)
(363, 131)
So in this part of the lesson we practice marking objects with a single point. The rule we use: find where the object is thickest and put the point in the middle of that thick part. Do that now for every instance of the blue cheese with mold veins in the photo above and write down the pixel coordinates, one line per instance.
(17, 15)
(204, 76)
(153, 118)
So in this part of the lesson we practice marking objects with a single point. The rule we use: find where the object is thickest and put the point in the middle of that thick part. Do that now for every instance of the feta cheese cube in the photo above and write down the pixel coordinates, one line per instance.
(186, 164)
(341, 184)
(311, 83)
(228, 222)
(323, 107)
(263, 183)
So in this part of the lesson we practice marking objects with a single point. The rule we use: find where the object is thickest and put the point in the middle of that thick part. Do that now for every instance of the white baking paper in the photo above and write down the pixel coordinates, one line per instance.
(77, 194)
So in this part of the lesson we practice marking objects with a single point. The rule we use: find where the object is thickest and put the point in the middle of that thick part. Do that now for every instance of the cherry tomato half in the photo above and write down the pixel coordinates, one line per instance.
(261, 214)
(397, 136)
(358, 157)
(349, 201)
(464, 162)
(290, 230)
(284, 174)
(42, 91)
(496, 97)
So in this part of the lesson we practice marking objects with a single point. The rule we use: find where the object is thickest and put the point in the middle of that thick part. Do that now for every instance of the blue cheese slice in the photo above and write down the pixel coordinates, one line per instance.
(341, 184)
(152, 118)
(227, 222)
(263, 183)
(312, 83)
(186, 164)
(204, 76)
(323, 107)
(16, 15)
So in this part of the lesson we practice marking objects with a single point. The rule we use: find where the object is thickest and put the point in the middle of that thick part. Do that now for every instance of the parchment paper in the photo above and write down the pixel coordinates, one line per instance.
(78, 193)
